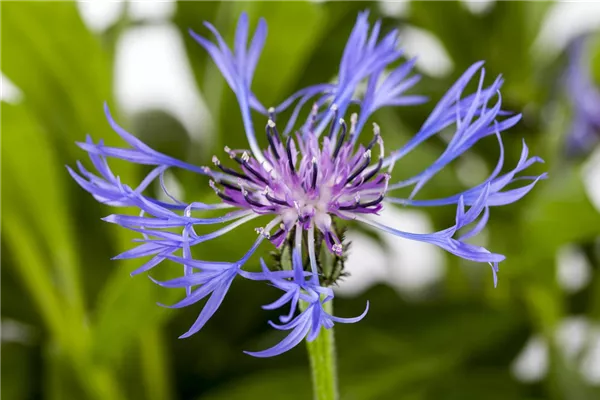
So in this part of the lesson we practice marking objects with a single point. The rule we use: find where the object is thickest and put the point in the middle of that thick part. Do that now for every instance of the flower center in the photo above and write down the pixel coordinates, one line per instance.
(307, 182)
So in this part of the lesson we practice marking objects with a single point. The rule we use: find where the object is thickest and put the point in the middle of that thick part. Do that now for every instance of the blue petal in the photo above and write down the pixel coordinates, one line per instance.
(288, 343)
(209, 309)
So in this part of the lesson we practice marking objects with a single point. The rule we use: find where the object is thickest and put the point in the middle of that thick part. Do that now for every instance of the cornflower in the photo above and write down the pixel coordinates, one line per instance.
(312, 174)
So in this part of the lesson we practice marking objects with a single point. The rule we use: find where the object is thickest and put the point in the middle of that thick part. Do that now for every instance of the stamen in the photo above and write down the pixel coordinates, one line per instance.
(315, 171)
(334, 121)
(231, 171)
(277, 234)
(222, 195)
(263, 232)
(230, 186)
(362, 167)
(268, 194)
(373, 202)
(353, 122)
(340, 140)
(381, 148)
(374, 171)
(352, 206)
(271, 141)
(245, 164)
(250, 200)
(375, 137)
(288, 149)
(272, 129)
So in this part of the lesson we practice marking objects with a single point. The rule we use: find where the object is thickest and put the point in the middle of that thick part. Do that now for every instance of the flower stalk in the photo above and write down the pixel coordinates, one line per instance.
(323, 362)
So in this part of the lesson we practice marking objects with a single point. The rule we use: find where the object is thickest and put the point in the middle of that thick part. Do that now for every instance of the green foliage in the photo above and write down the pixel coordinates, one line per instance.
(95, 332)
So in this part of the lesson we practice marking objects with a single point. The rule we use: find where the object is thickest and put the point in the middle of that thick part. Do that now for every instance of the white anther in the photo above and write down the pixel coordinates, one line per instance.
(271, 110)
(245, 156)
(215, 160)
(333, 107)
(353, 122)
(367, 154)
(206, 170)
(392, 164)
(381, 148)
(212, 184)
(376, 129)
(341, 121)
(227, 149)
(271, 123)
(314, 160)
(263, 232)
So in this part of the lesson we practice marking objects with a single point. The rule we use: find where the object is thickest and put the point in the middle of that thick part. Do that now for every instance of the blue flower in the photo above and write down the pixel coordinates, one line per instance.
(585, 99)
(306, 181)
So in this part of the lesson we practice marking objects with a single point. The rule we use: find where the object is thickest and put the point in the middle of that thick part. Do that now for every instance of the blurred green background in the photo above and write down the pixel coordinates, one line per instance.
(75, 325)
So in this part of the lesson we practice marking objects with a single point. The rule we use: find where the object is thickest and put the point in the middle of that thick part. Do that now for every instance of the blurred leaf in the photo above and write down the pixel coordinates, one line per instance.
(560, 212)
(162, 132)
(30, 267)
(120, 307)
(59, 377)
(286, 53)
(25, 310)
(322, 64)
(502, 37)
(483, 383)
(386, 383)
(37, 198)
(15, 379)
(565, 380)
(285, 383)
(153, 360)
(59, 66)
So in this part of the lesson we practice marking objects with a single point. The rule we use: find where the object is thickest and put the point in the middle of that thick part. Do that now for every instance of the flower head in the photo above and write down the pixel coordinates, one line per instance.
(311, 174)
(585, 99)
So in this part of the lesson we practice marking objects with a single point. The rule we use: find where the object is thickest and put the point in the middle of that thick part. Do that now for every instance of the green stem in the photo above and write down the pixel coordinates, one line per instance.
(321, 353)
